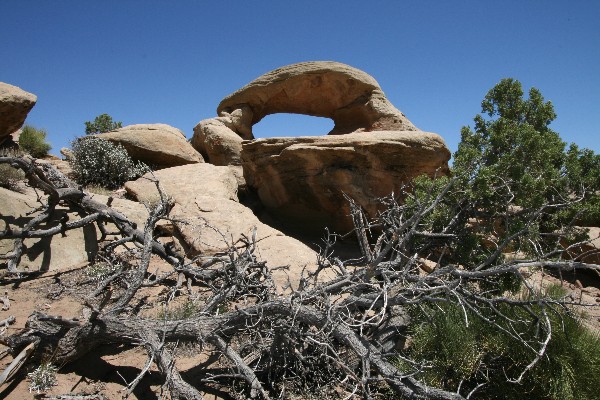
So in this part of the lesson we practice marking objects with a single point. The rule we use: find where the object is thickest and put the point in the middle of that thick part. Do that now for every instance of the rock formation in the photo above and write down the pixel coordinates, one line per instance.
(217, 142)
(57, 252)
(15, 104)
(350, 97)
(158, 145)
(303, 180)
(371, 152)
(66, 153)
(209, 219)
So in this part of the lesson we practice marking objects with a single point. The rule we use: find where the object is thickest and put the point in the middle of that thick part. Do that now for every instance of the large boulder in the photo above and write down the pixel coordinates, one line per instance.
(303, 180)
(57, 252)
(209, 219)
(158, 145)
(217, 142)
(15, 104)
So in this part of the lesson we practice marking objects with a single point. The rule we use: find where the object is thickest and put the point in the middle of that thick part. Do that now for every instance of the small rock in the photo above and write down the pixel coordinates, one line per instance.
(67, 153)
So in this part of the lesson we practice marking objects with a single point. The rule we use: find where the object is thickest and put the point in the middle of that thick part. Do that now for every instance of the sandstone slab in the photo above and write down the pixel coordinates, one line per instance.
(158, 145)
(209, 219)
(185, 182)
(15, 104)
(211, 225)
(57, 252)
(303, 180)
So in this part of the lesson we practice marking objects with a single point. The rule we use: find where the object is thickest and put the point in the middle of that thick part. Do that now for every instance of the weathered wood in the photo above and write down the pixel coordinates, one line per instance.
(17, 363)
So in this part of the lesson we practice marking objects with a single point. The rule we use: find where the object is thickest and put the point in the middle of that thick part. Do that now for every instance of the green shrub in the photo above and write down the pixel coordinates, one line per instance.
(455, 354)
(9, 176)
(179, 312)
(99, 162)
(102, 123)
(43, 378)
(33, 141)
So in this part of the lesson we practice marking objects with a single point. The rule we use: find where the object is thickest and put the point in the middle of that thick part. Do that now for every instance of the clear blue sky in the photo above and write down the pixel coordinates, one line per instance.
(173, 61)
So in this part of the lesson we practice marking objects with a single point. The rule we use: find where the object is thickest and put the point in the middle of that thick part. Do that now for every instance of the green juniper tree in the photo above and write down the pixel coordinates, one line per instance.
(510, 164)
(514, 198)
(512, 152)
(102, 123)
(33, 141)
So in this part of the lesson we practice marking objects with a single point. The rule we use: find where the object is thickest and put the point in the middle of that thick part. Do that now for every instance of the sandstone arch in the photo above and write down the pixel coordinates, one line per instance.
(372, 150)
(350, 97)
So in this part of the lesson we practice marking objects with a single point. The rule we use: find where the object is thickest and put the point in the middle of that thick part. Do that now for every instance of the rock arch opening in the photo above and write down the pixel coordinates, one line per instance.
(291, 125)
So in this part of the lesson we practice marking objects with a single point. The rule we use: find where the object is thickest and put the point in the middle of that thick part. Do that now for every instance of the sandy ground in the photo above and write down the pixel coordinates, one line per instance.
(106, 370)
(581, 288)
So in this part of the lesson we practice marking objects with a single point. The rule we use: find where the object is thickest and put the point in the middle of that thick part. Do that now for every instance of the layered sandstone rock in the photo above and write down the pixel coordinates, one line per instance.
(158, 145)
(372, 151)
(303, 180)
(15, 104)
(209, 219)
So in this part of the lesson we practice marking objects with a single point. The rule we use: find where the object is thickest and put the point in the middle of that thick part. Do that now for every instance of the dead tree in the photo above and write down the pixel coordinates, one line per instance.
(340, 329)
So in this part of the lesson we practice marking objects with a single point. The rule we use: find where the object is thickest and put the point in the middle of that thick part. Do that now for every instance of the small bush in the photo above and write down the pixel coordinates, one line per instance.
(43, 378)
(9, 176)
(33, 141)
(456, 355)
(99, 162)
(179, 312)
(99, 271)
